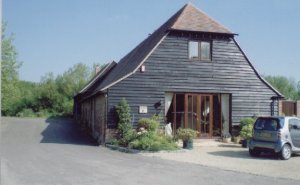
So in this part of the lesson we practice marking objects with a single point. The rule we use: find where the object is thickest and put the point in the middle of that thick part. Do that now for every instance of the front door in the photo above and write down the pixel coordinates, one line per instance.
(198, 113)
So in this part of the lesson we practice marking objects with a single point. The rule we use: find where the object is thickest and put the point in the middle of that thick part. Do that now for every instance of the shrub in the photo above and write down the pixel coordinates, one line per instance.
(149, 124)
(153, 142)
(145, 138)
(246, 125)
(26, 113)
(43, 113)
(246, 131)
(186, 134)
(246, 121)
(125, 131)
(114, 141)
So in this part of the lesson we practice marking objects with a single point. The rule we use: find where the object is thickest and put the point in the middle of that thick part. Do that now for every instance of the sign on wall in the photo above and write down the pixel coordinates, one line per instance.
(143, 109)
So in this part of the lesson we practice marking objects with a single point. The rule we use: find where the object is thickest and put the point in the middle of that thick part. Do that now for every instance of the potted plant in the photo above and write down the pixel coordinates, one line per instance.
(226, 138)
(237, 139)
(246, 130)
(187, 135)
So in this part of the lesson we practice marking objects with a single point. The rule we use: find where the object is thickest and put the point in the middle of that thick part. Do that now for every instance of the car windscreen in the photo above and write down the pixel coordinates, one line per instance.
(270, 124)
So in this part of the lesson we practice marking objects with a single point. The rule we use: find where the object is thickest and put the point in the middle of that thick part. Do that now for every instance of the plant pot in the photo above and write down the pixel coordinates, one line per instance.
(237, 140)
(245, 143)
(226, 139)
(188, 144)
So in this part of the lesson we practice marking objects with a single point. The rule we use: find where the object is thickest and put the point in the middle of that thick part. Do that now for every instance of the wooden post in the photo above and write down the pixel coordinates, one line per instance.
(198, 114)
(279, 107)
(210, 115)
(174, 115)
(185, 110)
(298, 108)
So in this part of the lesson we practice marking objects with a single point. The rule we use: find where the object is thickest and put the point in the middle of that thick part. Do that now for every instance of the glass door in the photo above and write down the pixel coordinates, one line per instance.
(206, 110)
(198, 113)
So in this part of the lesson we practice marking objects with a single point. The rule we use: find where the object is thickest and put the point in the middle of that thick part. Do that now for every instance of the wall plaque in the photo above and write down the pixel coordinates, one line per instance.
(143, 109)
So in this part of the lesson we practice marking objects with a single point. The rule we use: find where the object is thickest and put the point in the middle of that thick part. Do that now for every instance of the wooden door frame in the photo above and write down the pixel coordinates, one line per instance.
(199, 95)
(212, 108)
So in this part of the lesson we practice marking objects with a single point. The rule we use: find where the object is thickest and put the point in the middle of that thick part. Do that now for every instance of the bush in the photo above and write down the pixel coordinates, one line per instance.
(145, 138)
(153, 142)
(246, 121)
(26, 113)
(114, 141)
(246, 125)
(149, 124)
(125, 132)
(246, 132)
(43, 113)
(186, 134)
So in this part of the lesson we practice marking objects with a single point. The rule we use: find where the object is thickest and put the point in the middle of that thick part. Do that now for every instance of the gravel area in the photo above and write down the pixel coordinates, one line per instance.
(234, 158)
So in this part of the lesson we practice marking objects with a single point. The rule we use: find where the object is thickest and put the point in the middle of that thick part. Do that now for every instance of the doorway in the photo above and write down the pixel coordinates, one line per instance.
(202, 112)
(197, 113)
(205, 113)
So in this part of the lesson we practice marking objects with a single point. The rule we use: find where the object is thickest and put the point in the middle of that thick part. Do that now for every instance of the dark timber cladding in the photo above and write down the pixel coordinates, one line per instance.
(169, 70)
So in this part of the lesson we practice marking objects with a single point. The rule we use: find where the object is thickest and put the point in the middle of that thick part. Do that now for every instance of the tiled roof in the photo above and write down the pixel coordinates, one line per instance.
(133, 59)
(187, 18)
(193, 19)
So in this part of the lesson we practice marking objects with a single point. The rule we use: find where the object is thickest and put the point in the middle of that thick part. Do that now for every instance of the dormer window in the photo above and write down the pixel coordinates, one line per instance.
(200, 50)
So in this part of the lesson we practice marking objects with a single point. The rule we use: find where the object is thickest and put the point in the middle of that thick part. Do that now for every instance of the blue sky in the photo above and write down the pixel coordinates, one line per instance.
(53, 35)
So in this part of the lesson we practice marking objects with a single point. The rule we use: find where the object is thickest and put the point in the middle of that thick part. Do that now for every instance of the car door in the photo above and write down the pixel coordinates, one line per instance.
(294, 127)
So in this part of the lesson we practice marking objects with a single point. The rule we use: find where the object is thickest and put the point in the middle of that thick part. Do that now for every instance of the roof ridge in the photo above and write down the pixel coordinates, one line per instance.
(98, 75)
(208, 16)
(201, 21)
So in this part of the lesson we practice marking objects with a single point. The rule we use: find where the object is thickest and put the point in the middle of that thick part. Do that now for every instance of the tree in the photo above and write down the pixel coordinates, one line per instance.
(73, 79)
(70, 83)
(285, 86)
(29, 96)
(48, 95)
(9, 76)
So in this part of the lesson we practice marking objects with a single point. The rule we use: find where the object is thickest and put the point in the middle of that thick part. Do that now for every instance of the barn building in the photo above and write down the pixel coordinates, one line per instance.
(190, 70)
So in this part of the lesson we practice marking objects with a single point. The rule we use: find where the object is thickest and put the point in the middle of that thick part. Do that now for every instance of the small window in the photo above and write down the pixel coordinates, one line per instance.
(199, 50)
(193, 50)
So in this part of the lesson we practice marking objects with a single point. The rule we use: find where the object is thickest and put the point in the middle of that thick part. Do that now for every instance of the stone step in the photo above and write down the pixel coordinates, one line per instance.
(207, 143)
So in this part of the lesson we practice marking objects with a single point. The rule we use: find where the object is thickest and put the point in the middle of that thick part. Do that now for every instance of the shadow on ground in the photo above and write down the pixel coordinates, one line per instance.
(244, 155)
(65, 131)
(230, 146)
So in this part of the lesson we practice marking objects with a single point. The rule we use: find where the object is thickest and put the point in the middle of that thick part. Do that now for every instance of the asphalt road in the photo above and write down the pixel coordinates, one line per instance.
(54, 151)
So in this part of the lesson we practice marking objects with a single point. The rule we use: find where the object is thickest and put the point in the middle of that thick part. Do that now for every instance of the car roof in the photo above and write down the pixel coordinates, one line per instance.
(271, 117)
(278, 117)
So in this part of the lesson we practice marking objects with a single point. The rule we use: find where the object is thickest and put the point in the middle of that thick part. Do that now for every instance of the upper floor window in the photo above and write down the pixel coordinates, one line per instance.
(199, 50)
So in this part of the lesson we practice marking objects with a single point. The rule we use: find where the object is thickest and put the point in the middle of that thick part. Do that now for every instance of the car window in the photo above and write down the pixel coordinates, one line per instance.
(270, 124)
(294, 122)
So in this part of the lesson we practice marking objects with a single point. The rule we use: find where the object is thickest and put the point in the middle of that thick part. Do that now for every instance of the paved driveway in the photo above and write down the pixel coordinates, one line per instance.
(233, 157)
(39, 151)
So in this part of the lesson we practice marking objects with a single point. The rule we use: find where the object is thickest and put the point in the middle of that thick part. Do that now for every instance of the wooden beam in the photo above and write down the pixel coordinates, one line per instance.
(185, 110)
(211, 108)
(198, 114)
(174, 115)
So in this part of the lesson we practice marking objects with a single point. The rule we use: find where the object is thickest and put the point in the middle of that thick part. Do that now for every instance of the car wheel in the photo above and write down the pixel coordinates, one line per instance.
(254, 153)
(286, 152)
